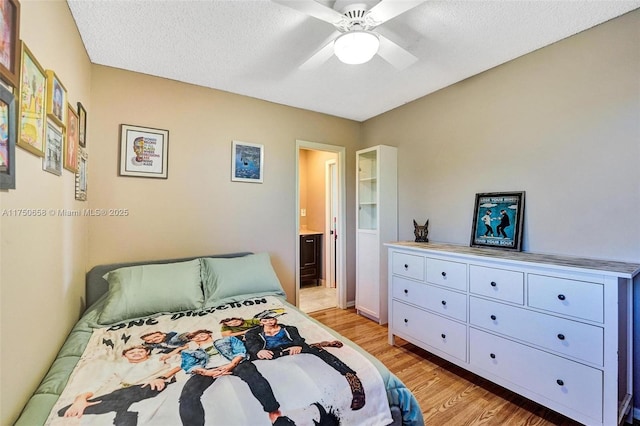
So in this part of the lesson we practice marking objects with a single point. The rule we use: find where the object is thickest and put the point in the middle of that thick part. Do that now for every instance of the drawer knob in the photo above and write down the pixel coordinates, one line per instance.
(560, 382)
(406, 291)
(444, 336)
(493, 284)
(561, 296)
(444, 274)
(406, 266)
(493, 356)
(561, 336)
(406, 320)
(444, 302)
(493, 317)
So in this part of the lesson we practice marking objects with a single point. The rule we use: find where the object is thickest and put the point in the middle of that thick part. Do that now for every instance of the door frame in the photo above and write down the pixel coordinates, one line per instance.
(341, 247)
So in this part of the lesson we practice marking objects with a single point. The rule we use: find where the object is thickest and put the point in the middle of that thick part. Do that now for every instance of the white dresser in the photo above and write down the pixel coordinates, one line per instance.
(555, 329)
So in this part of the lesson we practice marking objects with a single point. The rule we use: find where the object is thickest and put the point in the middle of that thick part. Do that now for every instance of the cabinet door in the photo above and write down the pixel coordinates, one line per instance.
(367, 190)
(368, 274)
(308, 250)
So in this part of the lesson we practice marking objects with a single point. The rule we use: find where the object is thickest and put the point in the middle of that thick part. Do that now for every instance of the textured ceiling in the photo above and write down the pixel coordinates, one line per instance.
(255, 47)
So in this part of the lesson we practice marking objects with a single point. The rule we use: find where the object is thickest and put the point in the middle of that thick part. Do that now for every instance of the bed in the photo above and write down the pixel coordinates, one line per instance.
(209, 340)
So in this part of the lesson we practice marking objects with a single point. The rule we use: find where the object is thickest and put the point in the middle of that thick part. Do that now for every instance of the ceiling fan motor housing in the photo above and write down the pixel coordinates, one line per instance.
(356, 17)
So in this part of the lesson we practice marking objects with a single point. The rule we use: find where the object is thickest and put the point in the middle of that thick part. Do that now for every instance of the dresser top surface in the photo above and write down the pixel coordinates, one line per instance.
(622, 269)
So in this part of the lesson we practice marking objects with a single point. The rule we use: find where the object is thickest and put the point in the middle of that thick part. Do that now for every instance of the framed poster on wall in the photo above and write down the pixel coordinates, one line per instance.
(143, 152)
(7, 139)
(247, 162)
(32, 121)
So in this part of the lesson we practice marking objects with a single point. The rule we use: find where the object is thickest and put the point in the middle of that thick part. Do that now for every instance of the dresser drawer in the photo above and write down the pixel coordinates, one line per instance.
(408, 265)
(497, 283)
(438, 332)
(446, 273)
(575, 339)
(568, 383)
(439, 300)
(578, 299)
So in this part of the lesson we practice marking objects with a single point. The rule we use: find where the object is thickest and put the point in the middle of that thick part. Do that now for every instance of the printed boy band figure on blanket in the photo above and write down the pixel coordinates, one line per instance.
(272, 340)
(163, 342)
(237, 326)
(140, 377)
(207, 360)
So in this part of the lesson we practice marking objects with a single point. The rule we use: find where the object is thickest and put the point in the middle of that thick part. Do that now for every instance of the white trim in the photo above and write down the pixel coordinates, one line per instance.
(341, 247)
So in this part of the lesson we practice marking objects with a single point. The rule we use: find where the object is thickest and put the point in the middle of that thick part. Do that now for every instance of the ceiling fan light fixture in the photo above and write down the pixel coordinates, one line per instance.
(356, 47)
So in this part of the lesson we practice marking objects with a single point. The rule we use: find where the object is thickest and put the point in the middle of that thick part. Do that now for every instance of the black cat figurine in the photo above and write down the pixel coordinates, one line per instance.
(421, 232)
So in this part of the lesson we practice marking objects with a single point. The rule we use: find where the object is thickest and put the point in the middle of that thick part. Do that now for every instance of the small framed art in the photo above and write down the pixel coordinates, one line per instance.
(7, 139)
(81, 175)
(498, 219)
(71, 141)
(143, 151)
(32, 121)
(56, 99)
(10, 42)
(247, 162)
(52, 161)
(82, 122)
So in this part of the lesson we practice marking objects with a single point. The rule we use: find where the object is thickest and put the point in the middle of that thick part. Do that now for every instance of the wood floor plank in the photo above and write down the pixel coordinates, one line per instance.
(447, 394)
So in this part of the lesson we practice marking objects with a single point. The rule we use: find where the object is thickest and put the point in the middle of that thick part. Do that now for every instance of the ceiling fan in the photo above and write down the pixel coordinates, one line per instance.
(355, 41)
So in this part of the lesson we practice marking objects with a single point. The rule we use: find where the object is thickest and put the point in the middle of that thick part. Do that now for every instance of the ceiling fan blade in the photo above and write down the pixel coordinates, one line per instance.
(312, 8)
(319, 58)
(389, 9)
(394, 54)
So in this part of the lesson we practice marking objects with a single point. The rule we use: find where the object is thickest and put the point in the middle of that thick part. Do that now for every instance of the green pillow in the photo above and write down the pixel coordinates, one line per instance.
(138, 291)
(238, 276)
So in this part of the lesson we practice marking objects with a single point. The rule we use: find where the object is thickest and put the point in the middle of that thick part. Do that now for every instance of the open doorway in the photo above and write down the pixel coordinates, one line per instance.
(320, 219)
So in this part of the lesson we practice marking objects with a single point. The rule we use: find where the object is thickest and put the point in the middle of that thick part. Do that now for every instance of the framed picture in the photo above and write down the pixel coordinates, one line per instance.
(81, 175)
(71, 141)
(56, 99)
(52, 161)
(143, 151)
(498, 219)
(247, 162)
(7, 139)
(10, 42)
(82, 131)
(32, 121)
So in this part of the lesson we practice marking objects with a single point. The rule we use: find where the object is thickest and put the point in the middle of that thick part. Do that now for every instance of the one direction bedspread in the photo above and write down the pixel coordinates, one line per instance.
(180, 369)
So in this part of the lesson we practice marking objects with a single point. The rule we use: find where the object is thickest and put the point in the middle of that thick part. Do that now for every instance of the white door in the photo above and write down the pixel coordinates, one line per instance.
(332, 222)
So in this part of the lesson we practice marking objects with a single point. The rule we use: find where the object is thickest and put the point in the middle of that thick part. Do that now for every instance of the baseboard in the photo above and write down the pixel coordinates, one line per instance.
(351, 304)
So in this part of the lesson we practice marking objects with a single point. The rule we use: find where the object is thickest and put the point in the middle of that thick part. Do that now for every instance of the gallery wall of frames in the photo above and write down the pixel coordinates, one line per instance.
(35, 112)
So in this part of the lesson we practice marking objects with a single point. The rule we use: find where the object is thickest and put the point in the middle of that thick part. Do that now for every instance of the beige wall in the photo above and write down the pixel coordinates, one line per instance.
(43, 258)
(316, 199)
(562, 124)
(198, 209)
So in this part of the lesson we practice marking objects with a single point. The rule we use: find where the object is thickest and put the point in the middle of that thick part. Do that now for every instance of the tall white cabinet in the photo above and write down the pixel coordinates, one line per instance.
(376, 224)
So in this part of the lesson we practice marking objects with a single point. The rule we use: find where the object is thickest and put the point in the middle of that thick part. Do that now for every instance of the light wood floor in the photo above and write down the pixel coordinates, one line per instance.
(447, 394)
